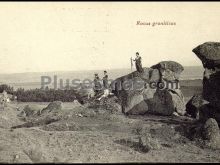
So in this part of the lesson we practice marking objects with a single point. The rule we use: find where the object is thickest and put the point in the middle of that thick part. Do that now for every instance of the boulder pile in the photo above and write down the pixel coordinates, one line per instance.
(35, 111)
(156, 90)
(208, 105)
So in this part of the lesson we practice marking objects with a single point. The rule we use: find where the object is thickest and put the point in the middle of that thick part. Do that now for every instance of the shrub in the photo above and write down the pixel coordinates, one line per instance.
(40, 95)
(7, 88)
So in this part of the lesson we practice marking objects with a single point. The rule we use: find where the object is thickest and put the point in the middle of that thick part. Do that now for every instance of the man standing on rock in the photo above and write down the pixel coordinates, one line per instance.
(138, 63)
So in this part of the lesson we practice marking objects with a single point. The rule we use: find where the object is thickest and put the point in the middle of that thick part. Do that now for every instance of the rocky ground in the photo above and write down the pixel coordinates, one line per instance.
(71, 133)
(182, 129)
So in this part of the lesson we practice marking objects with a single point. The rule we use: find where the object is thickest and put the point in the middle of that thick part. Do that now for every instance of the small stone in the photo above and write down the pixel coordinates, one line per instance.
(16, 156)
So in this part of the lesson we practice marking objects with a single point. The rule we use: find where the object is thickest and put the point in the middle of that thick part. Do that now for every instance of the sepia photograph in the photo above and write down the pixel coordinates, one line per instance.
(109, 82)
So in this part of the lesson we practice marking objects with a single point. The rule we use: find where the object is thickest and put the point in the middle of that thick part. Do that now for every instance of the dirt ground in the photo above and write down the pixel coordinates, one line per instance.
(85, 135)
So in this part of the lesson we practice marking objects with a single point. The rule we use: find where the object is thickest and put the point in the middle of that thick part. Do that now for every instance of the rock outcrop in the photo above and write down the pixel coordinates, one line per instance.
(34, 116)
(211, 134)
(35, 111)
(166, 102)
(84, 93)
(109, 104)
(54, 106)
(194, 105)
(170, 70)
(209, 54)
(29, 110)
(129, 89)
(155, 90)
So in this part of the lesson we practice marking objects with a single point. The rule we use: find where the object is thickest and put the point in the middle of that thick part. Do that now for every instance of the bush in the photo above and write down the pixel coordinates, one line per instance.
(7, 88)
(40, 95)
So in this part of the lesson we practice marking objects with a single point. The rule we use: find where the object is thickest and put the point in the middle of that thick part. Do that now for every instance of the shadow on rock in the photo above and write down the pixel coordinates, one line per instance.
(204, 135)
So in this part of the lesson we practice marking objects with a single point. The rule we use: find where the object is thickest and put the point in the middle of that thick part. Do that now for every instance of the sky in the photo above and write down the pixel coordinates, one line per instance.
(68, 36)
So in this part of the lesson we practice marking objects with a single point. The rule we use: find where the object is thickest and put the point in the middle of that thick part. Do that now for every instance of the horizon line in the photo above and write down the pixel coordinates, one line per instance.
(81, 70)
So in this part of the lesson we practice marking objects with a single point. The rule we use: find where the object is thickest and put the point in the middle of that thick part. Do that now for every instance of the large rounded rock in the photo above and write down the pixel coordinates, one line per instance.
(171, 65)
(208, 53)
(131, 91)
(166, 102)
(133, 101)
(135, 106)
(170, 70)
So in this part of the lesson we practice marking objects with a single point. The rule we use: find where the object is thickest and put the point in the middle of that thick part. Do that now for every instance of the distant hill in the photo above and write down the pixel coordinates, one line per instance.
(32, 80)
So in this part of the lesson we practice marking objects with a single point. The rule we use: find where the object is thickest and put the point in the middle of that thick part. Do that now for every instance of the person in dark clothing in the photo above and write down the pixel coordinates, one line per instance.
(105, 86)
(105, 80)
(97, 85)
(138, 63)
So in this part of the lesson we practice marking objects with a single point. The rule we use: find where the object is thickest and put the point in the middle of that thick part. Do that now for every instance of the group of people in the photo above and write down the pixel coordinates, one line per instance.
(102, 86)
